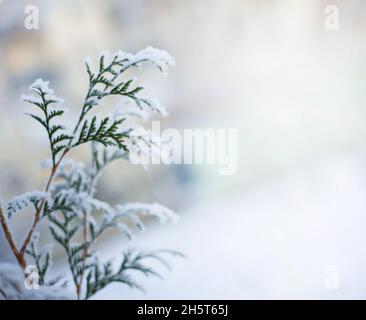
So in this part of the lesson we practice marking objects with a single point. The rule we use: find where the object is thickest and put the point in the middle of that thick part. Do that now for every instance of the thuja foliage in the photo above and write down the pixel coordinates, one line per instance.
(76, 219)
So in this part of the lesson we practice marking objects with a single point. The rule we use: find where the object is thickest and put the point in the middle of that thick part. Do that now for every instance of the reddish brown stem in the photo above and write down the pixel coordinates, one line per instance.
(10, 239)
(37, 216)
(19, 254)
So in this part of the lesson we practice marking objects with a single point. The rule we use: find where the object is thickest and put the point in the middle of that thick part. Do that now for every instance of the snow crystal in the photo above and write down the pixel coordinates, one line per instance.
(131, 211)
(136, 221)
(41, 86)
(156, 106)
(122, 56)
(20, 202)
(123, 228)
(161, 58)
(99, 205)
(92, 101)
(163, 213)
(127, 110)
(31, 99)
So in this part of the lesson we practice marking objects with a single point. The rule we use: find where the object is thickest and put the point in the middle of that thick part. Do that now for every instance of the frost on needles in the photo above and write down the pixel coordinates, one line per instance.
(68, 204)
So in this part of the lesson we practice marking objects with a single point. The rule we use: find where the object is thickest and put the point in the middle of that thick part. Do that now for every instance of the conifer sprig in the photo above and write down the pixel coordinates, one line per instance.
(101, 275)
(104, 132)
(49, 105)
(76, 218)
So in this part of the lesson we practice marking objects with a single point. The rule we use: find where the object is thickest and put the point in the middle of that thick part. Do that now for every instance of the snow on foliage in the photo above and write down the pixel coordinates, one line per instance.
(105, 80)
(128, 111)
(41, 87)
(160, 58)
(12, 287)
(25, 200)
(149, 209)
(76, 217)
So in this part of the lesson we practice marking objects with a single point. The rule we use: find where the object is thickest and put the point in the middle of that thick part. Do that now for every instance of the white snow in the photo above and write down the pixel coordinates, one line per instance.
(41, 86)
(288, 238)
(161, 58)
(155, 209)
(125, 110)
(20, 202)
(155, 105)
(12, 284)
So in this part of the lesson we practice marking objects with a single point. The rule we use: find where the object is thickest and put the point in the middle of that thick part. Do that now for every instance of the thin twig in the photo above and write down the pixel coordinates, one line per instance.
(10, 239)
(85, 254)
(37, 216)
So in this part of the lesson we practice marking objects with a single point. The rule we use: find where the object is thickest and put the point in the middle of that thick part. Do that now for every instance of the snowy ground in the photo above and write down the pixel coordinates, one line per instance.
(298, 236)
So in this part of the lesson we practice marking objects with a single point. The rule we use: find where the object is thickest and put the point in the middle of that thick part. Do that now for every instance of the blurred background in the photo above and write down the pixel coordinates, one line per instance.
(292, 218)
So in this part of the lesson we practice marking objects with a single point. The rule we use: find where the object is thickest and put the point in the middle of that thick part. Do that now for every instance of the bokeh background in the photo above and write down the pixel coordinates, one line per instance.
(292, 218)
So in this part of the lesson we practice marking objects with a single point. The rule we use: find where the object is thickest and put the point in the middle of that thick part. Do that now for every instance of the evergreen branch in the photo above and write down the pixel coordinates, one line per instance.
(43, 100)
(103, 133)
(70, 203)
(100, 276)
